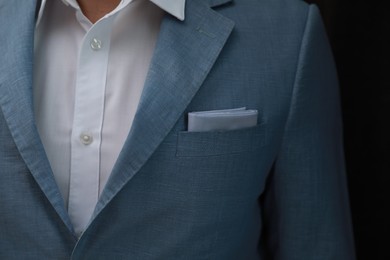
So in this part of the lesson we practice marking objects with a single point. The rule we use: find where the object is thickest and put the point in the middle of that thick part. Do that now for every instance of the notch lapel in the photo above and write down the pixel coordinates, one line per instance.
(185, 52)
(17, 22)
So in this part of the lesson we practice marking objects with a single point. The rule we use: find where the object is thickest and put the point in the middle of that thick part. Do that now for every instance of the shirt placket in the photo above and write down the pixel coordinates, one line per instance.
(87, 123)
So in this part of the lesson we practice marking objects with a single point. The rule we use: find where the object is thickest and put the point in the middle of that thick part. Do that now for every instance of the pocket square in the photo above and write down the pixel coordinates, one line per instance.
(222, 120)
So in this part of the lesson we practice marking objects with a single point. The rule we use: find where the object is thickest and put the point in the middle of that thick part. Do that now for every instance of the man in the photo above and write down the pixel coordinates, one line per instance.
(107, 153)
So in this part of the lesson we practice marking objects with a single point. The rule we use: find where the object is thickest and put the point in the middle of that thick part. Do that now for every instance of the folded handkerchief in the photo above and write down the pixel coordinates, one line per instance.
(222, 120)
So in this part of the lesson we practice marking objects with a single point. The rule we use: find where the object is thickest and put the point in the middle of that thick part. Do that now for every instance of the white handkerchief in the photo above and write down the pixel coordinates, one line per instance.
(222, 120)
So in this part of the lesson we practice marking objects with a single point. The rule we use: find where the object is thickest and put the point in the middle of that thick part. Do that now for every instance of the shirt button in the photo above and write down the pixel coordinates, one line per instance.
(96, 44)
(86, 139)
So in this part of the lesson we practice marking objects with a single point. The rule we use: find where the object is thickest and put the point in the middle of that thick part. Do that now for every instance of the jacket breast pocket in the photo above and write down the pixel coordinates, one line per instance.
(197, 144)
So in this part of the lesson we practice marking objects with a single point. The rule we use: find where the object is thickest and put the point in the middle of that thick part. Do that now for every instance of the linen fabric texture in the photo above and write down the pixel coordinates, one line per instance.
(273, 191)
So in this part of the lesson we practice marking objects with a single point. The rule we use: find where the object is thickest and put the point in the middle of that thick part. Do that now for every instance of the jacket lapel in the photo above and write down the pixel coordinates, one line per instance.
(17, 22)
(184, 54)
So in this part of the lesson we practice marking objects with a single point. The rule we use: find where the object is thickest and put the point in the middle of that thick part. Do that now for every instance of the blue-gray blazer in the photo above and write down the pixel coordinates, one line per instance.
(273, 191)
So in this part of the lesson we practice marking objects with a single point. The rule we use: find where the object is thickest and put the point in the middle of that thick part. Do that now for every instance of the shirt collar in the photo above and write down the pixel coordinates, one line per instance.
(173, 7)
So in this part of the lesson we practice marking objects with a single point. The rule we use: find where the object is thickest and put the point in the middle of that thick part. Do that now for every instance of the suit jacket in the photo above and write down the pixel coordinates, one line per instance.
(273, 191)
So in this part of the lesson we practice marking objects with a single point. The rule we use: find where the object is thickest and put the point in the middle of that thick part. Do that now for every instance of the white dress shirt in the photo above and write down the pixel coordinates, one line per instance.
(88, 79)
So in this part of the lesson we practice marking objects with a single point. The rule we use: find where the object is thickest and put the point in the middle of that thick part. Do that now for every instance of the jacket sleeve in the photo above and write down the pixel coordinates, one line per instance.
(306, 208)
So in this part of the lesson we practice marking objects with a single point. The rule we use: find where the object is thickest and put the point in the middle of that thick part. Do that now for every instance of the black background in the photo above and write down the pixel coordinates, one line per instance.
(357, 31)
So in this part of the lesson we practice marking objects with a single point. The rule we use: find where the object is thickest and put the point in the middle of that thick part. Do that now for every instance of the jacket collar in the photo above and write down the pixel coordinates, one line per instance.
(184, 55)
(16, 102)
